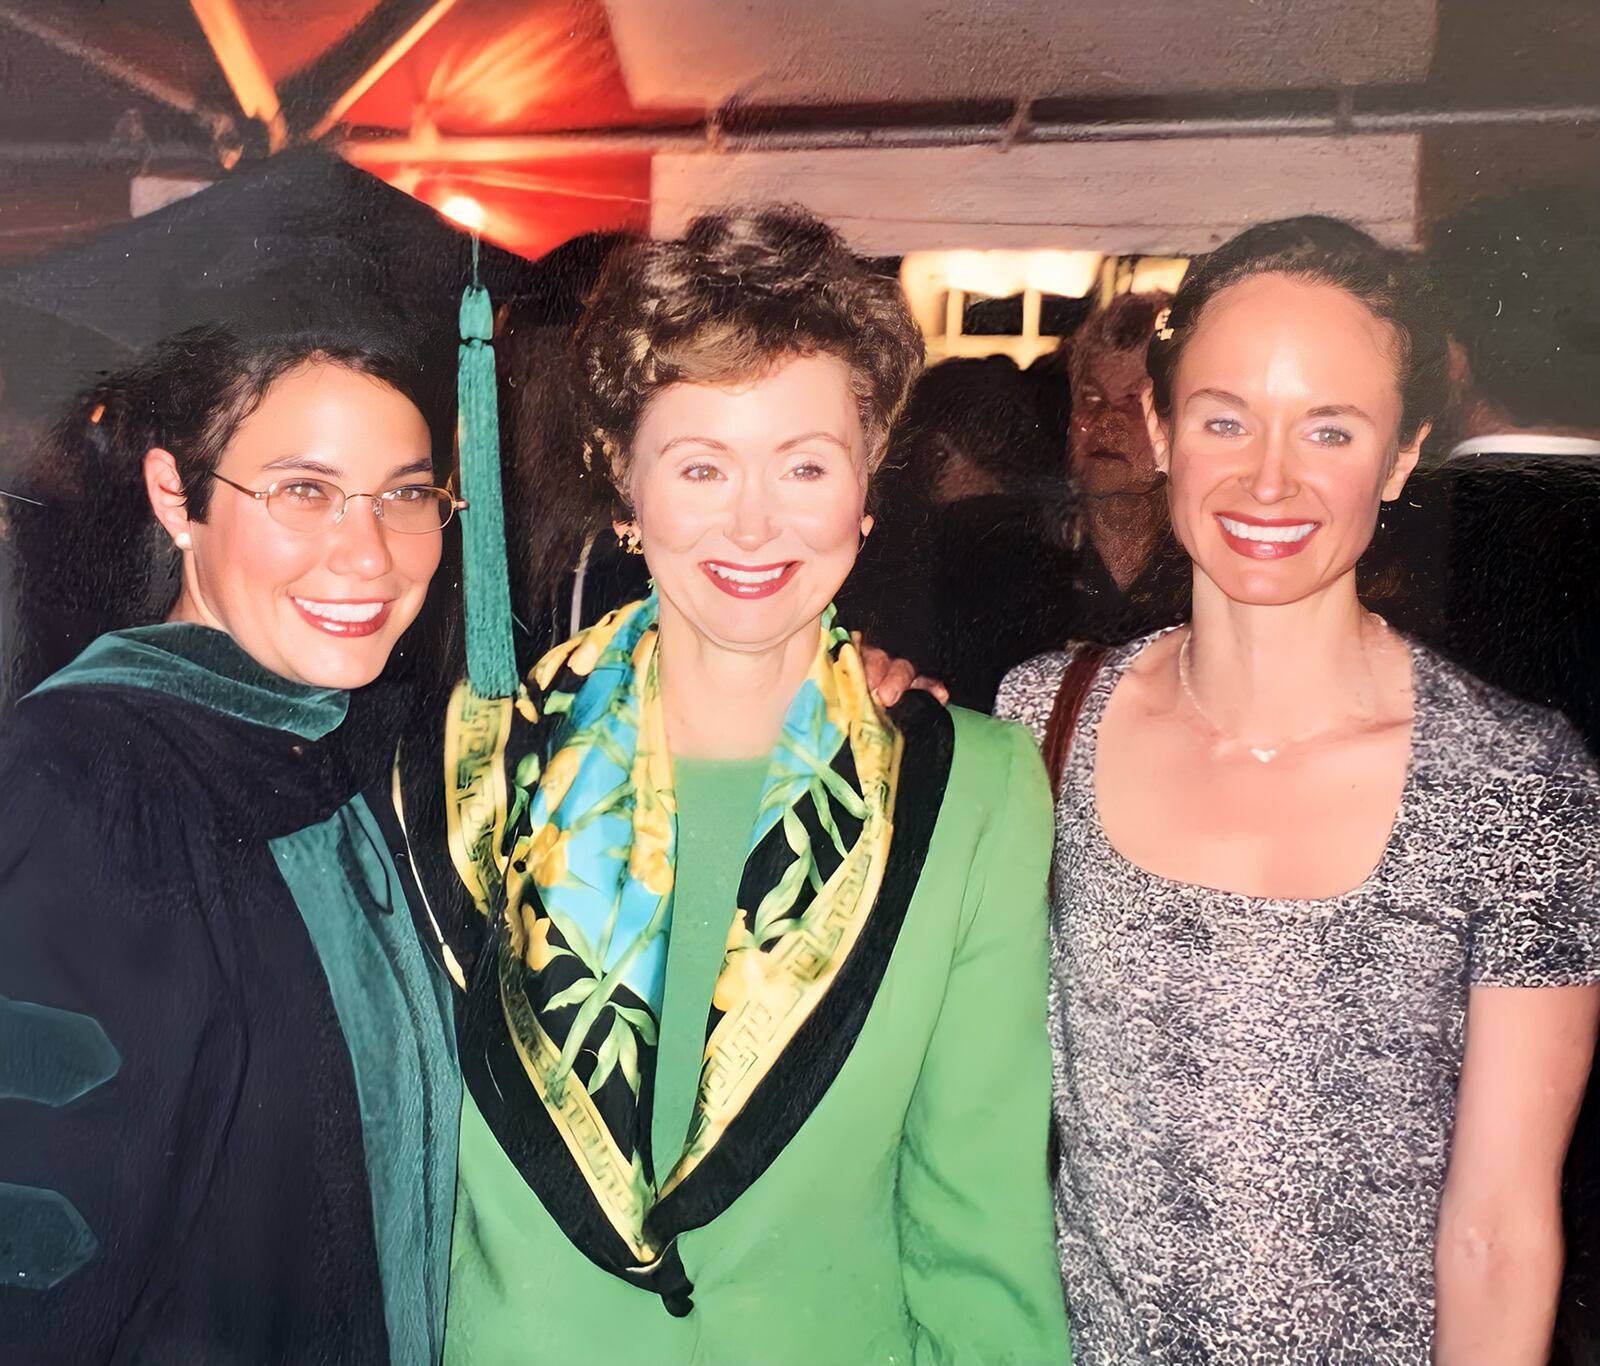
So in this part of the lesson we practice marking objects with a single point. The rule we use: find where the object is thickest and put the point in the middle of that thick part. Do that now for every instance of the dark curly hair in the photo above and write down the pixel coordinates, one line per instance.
(1325, 251)
(988, 413)
(740, 290)
(85, 553)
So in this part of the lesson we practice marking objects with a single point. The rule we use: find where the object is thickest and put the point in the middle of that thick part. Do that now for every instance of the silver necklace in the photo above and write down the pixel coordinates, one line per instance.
(1267, 753)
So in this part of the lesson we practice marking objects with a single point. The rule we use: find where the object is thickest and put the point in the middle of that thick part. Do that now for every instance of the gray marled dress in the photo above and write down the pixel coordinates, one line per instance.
(1255, 1097)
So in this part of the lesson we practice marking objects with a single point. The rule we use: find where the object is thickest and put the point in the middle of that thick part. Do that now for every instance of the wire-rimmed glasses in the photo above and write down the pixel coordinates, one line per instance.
(306, 504)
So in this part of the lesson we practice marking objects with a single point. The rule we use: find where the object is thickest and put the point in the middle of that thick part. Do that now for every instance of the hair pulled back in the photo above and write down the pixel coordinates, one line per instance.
(1325, 251)
(88, 555)
(741, 290)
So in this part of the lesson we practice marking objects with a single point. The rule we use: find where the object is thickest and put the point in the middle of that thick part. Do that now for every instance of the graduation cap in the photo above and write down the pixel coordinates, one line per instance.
(293, 231)
(286, 241)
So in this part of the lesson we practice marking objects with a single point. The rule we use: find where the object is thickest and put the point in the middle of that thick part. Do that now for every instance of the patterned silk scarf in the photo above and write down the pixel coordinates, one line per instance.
(562, 828)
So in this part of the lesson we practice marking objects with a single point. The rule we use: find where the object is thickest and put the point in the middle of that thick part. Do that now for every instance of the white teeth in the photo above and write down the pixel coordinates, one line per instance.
(747, 576)
(341, 611)
(1246, 531)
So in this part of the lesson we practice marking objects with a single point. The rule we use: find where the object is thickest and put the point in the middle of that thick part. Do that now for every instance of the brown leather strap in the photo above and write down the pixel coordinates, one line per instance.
(1076, 679)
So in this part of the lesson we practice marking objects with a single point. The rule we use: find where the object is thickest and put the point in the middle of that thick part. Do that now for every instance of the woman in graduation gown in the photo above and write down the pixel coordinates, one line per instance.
(750, 971)
(228, 1094)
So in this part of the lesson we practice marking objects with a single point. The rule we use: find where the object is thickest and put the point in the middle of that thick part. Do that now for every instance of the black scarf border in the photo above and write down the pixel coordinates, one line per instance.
(804, 1071)
(490, 1065)
(781, 1102)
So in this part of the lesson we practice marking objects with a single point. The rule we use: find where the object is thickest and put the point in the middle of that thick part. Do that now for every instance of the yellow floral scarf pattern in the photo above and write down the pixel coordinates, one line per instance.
(563, 829)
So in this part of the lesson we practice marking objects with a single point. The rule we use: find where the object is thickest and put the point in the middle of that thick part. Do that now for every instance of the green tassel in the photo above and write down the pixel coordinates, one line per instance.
(491, 653)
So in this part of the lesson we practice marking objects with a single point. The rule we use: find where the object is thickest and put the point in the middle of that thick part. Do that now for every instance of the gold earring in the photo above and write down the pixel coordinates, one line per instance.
(628, 542)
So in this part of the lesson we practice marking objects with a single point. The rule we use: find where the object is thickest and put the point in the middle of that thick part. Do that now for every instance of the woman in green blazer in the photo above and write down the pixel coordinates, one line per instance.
(751, 972)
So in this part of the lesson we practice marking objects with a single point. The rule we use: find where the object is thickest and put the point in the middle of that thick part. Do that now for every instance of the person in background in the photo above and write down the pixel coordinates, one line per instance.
(1052, 376)
(1326, 963)
(1516, 508)
(567, 570)
(1129, 578)
(964, 573)
(1519, 277)
(751, 970)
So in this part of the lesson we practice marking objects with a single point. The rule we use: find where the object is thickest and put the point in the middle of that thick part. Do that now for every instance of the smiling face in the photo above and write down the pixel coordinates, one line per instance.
(324, 607)
(748, 500)
(1284, 438)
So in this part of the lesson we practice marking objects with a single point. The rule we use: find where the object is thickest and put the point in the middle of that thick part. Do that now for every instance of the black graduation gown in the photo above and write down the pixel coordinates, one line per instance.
(218, 1171)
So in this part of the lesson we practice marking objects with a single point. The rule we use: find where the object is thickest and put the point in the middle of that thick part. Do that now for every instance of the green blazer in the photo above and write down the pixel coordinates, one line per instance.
(908, 1219)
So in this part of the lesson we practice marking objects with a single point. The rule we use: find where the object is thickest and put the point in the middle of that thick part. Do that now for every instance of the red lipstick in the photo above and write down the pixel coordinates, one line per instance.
(749, 580)
(348, 618)
(1266, 538)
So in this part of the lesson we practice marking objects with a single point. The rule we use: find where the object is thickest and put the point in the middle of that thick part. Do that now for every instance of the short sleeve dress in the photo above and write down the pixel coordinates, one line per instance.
(1255, 1097)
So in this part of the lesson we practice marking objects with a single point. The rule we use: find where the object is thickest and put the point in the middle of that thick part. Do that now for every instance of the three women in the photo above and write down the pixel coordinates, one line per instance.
(748, 972)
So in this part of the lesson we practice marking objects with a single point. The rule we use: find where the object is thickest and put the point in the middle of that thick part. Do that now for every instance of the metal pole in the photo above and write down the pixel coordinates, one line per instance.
(241, 65)
(168, 156)
(125, 73)
(377, 152)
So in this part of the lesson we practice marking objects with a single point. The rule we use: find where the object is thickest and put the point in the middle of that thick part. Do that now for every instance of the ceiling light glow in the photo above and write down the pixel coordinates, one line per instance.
(465, 210)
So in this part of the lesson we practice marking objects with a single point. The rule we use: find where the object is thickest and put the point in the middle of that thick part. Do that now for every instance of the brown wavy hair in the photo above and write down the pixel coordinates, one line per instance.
(741, 290)
(1125, 324)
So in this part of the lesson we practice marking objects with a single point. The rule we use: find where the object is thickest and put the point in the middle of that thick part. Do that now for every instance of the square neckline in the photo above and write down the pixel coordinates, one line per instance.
(1081, 771)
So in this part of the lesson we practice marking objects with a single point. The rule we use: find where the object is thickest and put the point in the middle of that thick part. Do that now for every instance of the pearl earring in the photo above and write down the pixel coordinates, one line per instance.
(183, 541)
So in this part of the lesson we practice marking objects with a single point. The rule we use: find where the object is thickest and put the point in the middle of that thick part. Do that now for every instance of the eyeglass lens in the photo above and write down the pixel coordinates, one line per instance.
(313, 504)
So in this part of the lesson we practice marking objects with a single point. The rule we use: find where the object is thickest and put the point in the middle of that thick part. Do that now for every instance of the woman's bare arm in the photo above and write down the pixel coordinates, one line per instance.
(1499, 1249)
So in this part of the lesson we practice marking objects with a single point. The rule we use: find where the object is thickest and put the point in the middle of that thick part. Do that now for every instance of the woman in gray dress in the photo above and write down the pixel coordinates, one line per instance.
(1326, 938)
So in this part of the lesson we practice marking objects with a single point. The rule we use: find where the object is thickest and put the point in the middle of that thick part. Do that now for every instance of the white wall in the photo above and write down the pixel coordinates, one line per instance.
(1175, 197)
(698, 53)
